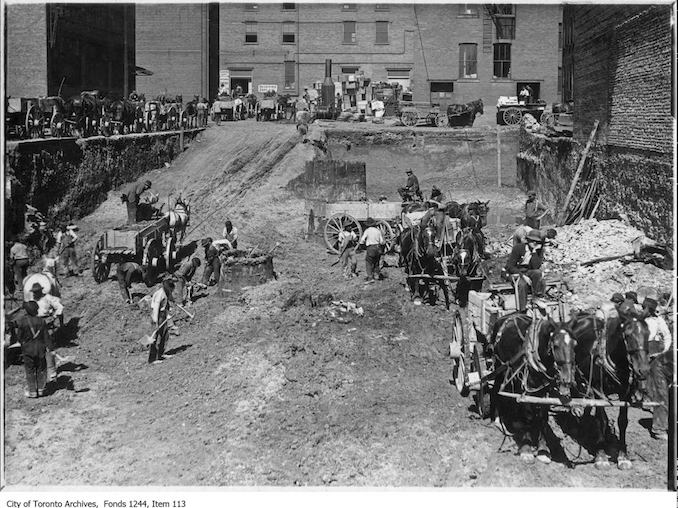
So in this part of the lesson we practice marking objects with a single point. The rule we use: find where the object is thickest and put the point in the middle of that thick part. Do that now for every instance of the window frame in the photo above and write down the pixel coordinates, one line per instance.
(376, 34)
(253, 24)
(447, 94)
(463, 12)
(293, 84)
(501, 62)
(463, 62)
(382, 7)
(354, 40)
(294, 6)
(503, 35)
(349, 7)
(293, 33)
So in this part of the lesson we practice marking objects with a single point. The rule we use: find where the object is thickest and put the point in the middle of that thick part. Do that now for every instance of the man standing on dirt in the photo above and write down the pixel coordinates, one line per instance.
(373, 240)
(184, 275)
(212, 262)
(65, 244)
(50, 309)
(160, 307)
(347, 245)
(131, 197)
(18, 256)
(230, 233)
(411, 190)
(33, 337)
(534, 210)
(525, 262)
(661, 367)
(127, 273)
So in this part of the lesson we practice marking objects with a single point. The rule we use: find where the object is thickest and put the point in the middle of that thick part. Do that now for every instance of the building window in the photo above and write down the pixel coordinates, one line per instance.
(349, 70)
(442, 89)
(468, 61)
(560, 80)
(349, 32)
(506, 28)
(289, 33)
(348, 7)
(382, 7)
(399, 77)
(502, 60)
(251, 7)
(382, 32)
(468, 11)
(290, 75)
(251, 32)
(505, 9)
(289, 7)
(560, 36)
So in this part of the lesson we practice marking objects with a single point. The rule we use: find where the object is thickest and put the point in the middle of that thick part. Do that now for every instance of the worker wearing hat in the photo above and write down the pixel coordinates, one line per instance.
(33, 337)
(212, 262)
(436, 194)
(374, 242)
(534, 210)
(629, 307)
(65, 242)
(660, 341)
(131, 197)
(617, 298)
(411, 191)
(50, 309)
(520, 234)
(524, 267)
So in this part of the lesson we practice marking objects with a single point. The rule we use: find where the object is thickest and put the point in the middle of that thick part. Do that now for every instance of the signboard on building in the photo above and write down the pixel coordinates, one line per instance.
(224, 81)
(267, 88)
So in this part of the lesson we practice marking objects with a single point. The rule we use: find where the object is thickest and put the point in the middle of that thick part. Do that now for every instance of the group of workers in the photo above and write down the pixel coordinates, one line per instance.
(372, 240)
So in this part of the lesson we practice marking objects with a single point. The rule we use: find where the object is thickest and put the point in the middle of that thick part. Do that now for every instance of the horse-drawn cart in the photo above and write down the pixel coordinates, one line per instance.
(414, 113)
(152, 244)
(267, 109)
(510, 110)
(227, 108)
(353, 214)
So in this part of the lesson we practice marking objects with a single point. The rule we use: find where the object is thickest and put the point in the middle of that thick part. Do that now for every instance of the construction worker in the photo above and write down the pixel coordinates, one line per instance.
(33, 337)
(131, 197)
(661, 367)
(230, 233)
(212, 262)
(19, 260)
(348, 241)
(524, 264)
(160, 308)
(50, 309)
(534, 210)
(436, 194)
(65, 244)
(520, 235)
(127, 273)
(373, 240)
(411, 190)
(184, 276)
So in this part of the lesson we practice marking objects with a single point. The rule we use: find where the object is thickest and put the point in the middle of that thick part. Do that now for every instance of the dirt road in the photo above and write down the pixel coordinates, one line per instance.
(258, 395)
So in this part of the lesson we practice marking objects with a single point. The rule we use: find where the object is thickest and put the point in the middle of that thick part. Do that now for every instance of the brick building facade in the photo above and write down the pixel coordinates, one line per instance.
(83, 46)
(457, 52)
(179, 45)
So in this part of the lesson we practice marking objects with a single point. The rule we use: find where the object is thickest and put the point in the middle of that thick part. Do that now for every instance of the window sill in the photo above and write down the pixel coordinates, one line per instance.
(467, 16)
(289, 43)
(504, 41)
(467, 80)
(349, 43)
(382, 43)
(503, 80)
(251, 43)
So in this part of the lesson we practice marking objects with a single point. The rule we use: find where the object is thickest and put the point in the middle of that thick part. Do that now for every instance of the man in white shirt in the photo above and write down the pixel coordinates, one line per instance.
(160, 307)
(230, 233)
(50, 309)
(347, 244)
(661, 367)
(373, 240)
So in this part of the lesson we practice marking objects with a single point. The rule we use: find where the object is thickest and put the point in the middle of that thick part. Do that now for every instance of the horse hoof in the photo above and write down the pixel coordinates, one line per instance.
(527, 457)
(602, 464)
(544, 458)
(624, 464)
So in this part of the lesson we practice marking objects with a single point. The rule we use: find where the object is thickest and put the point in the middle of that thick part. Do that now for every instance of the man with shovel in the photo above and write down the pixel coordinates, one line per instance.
(160, 307)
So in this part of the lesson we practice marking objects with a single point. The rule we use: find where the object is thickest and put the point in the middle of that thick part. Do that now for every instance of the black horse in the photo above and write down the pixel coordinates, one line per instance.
(464, 114)
(418, 256)
(611, 358)
(465, 263)
(532, 357)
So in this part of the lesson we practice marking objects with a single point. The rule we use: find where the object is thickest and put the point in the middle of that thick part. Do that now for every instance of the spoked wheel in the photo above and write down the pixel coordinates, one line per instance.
(34, 127)
(170, 253)
(548, 120)
(387, 233)
(335, 225)
(152, 261)
(101, 267)
(442, 120)
(409, 118)
(512, 116)
(57, 126)
(457, 351)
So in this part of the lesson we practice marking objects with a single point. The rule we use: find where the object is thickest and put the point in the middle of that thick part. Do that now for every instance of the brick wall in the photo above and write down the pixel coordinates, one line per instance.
(26, 50)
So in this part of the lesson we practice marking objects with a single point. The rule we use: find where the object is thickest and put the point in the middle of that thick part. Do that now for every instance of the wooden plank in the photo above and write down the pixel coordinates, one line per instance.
(552, 401)
(580, 167)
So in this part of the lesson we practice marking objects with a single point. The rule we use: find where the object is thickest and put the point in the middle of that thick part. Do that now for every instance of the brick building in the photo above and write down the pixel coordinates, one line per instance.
(451, 53)
(179, 45)
(83, 46)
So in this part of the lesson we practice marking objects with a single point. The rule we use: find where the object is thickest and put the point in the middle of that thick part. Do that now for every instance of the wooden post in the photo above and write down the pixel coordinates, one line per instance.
(181, 137)
(584, 155)
(498, 159)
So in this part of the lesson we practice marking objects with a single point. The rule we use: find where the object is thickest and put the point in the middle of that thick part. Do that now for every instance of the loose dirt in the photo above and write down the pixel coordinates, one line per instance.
(258, 395)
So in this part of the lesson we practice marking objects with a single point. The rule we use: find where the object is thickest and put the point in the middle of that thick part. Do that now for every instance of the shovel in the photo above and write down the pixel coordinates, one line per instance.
(277, 244)
(187, 313)
(150, 339)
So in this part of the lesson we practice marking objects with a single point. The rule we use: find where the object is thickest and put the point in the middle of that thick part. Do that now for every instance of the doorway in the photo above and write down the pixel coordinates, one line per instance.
(244, 83)
(534, 85)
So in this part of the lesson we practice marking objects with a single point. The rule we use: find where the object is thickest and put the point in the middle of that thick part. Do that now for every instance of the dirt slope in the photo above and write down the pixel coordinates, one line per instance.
(258, 395)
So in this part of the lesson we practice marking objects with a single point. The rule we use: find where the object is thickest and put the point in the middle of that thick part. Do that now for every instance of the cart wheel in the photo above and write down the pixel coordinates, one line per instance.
(152, 260)
(101, 268)
(387, 233)
(57, 126)
(482, 398)
(442, 120)
(457, 345)
(548, 120)
(409, 118)
(335, 225)
(512, 116)
(33, 123)
(170, 253)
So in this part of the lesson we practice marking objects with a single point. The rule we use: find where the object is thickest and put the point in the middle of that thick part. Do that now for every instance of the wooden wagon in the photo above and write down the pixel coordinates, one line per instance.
(338, 215)
(510, 110)
(414, 113)
(151, 244)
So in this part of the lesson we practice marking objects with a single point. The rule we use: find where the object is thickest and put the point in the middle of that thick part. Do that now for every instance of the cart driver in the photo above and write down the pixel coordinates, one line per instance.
(411, 190)
(525, 262)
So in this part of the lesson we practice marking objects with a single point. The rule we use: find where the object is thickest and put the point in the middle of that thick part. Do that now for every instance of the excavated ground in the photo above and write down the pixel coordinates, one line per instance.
(263, 390)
